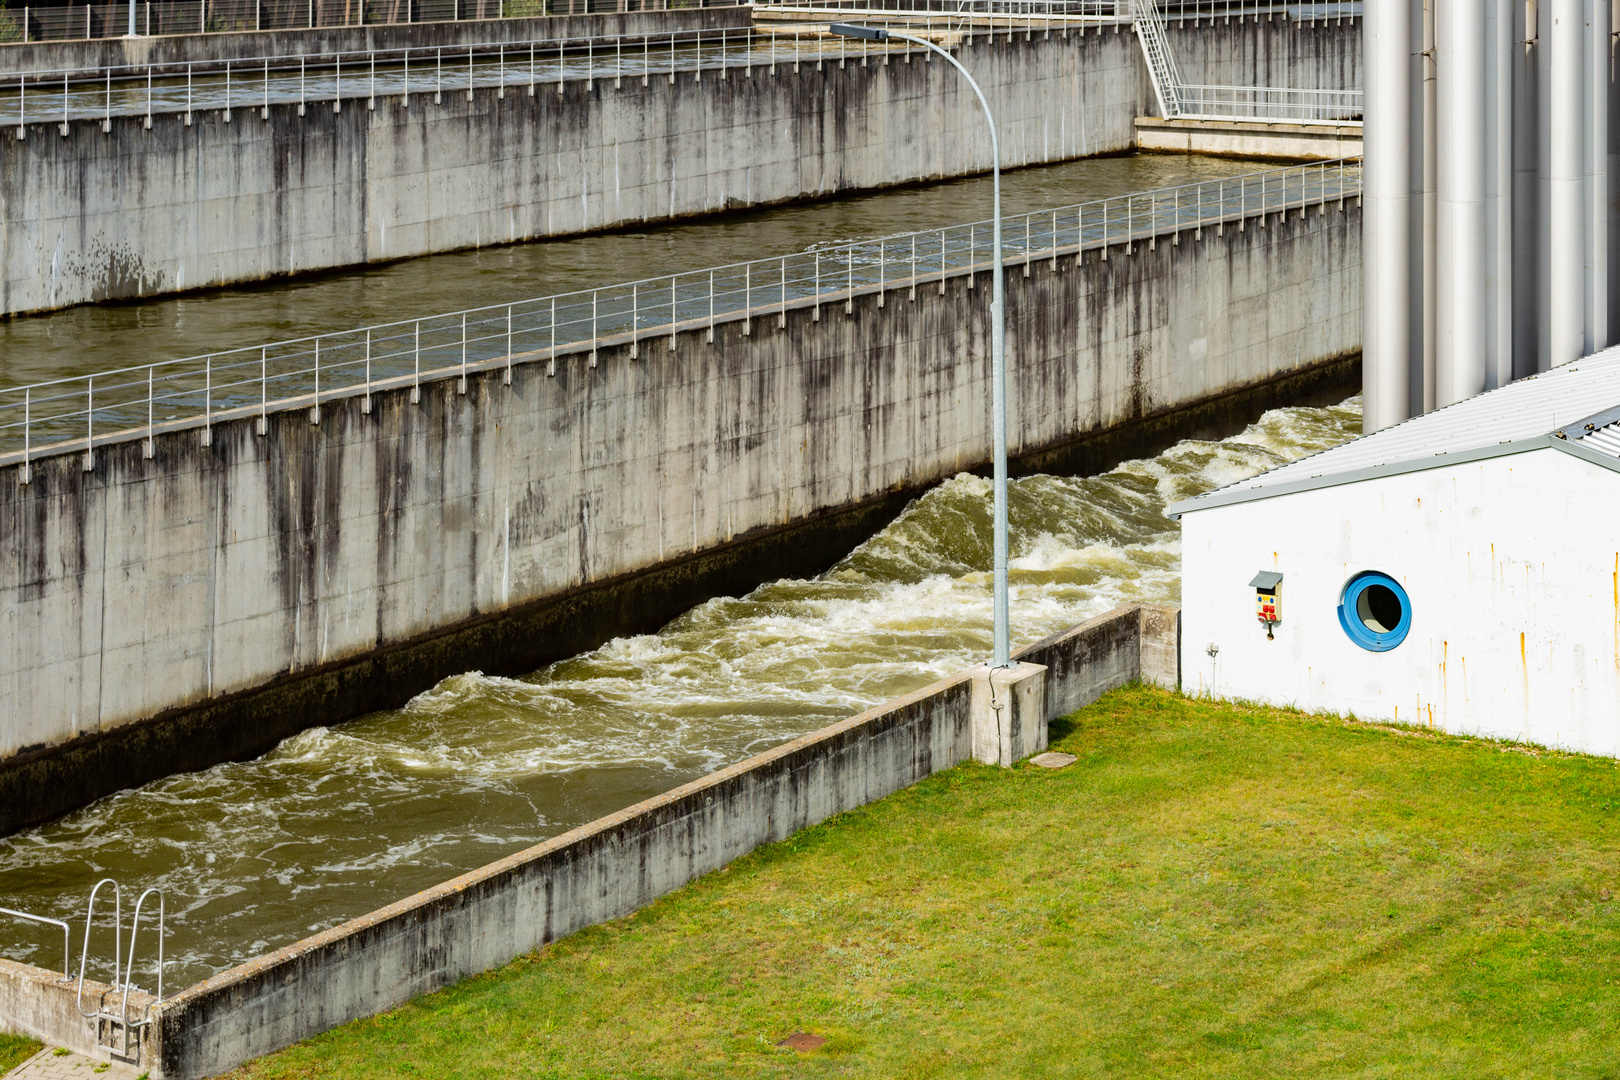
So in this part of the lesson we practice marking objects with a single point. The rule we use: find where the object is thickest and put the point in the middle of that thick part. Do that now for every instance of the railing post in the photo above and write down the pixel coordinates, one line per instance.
(315, 410)
(595, 334)
(28, 420)
(635, 319)
(149, 448)
(748, 299)
(208, 400)
(711, 306)
(849, 265)
(816, 315)
(365, 403)
(90, 423)
(781, 319)
(508, 379)
(416, 358)
(913, 296)
(264, 391)
(462, 388)
(882, 279)
(551, 361)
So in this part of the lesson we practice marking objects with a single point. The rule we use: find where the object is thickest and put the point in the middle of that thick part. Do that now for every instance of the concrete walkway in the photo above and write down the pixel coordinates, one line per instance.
(53, 1063)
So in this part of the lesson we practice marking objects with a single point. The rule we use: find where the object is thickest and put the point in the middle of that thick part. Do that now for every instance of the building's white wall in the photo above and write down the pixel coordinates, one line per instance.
(1513, 569)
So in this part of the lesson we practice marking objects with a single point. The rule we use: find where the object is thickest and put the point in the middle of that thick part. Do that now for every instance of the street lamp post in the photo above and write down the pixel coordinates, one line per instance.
(1001, 655)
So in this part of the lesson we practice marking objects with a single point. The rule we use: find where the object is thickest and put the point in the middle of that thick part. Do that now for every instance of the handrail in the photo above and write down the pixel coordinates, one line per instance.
(136, 402)
(67, 972)
(192, 18)
(129, 966)
(64, 95)
(118, 938)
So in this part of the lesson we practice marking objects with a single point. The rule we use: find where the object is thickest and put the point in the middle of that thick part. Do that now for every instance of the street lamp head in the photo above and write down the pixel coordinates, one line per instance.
(870, 33)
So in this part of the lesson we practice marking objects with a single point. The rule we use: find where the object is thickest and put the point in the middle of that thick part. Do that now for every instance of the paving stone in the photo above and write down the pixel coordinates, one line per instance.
(1052, 759)
(52, 1063)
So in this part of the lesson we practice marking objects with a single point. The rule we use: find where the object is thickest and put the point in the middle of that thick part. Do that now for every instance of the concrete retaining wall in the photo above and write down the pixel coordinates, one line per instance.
(94, 216)
(600, 871)
(165, 614)
(131, 212)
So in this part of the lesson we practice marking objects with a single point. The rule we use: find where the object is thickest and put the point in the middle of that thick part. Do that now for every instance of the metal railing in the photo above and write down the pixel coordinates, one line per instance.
(67, 971)
(62, 96)
(79, 22)
(82, 412)
(1271, 103)
(1022, 11)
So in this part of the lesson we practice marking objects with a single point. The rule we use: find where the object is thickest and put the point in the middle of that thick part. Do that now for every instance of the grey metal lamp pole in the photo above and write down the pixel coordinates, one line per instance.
(1001, 652)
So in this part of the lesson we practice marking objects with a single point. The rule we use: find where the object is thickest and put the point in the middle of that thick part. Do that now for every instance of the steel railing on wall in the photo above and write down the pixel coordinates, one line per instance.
(77, 22)
(1274, 103)
(82, 412)
(62, 96)
(1023, 11)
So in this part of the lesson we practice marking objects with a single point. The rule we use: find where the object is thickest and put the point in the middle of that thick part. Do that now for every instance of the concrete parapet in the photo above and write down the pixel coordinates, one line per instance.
(1313, 142)
(600, 871)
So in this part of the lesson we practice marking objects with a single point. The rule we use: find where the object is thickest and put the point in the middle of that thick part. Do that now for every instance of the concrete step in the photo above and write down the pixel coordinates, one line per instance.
(1296, 142)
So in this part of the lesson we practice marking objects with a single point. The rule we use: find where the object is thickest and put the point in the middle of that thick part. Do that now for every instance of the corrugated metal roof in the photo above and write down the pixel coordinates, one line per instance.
(1550, 409)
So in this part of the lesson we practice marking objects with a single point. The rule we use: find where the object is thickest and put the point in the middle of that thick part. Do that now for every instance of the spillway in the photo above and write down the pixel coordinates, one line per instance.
(338, 821)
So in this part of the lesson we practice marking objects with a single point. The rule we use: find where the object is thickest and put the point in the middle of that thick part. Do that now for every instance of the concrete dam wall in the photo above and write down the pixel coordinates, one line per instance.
(132, 212)
(167, 613)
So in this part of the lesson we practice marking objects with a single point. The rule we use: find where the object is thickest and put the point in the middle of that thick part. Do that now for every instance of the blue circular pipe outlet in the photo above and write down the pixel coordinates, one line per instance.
(1375, 611)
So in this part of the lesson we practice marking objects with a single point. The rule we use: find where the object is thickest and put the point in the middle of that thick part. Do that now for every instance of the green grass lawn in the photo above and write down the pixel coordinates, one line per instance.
(1211, 890)
(14, 1050)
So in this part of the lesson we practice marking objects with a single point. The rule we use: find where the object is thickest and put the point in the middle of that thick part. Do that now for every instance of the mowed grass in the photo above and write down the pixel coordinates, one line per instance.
(16, 1049)
(1210, 890)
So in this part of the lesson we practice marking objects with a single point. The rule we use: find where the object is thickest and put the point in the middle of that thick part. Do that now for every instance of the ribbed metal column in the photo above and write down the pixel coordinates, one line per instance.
(1386, 220)
(1425, 210)
(1460, 61)
(1595, 171)
(1561, 69)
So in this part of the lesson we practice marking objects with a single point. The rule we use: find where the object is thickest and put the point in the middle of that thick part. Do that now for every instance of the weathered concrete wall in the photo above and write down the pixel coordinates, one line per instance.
(202, 48)
(597, 872)
(94, 216)
(164, 614)
(1276, 51)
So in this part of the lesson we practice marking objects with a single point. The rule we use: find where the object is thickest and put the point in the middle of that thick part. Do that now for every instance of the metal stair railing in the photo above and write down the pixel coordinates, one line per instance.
(1160, 63)
(117, 1030)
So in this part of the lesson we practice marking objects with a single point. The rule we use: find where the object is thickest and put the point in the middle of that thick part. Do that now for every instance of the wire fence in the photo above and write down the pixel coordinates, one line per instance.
(648, 316)
(66, 95)
(79, 22)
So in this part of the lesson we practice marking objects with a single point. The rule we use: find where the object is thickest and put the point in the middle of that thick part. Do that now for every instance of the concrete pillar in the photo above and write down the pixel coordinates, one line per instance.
(1595, 176)
(1561, 70)
(1009, 713)
(1501, 44)
(1386, 217)
(1460, 63)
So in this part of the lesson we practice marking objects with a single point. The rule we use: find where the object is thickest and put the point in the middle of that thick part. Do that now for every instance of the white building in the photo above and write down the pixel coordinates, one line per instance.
(1459, 570)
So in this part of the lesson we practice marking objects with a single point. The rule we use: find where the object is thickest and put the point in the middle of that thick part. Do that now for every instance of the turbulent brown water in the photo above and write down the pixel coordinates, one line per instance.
(338, 821)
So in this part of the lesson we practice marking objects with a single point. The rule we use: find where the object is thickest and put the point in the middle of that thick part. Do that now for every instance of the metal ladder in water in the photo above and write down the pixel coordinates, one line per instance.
(117, 1031)
(1162, 69)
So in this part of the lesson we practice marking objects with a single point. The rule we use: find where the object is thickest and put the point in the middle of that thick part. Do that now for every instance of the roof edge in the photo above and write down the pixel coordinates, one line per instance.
(1213, 499)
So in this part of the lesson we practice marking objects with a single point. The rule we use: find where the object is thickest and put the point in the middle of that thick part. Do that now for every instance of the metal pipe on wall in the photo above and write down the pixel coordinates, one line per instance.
(1386, 226)
(1595, 170)
(1526, 191)
(1499, 146)
(1561, 67)
(1424, 209)
(1460, 331)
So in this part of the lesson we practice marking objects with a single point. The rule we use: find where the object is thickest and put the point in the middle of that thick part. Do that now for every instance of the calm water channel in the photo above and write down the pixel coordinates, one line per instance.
(338, 821)
(89, 339)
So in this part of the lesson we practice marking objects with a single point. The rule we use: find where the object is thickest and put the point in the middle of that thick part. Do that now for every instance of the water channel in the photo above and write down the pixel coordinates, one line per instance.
(338, 821)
